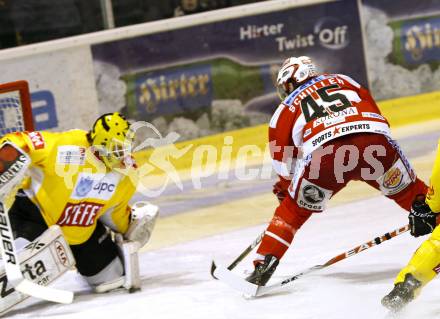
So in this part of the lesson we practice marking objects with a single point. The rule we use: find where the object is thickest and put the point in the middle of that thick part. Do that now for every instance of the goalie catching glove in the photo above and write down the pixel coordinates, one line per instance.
(143, 219)
(422, 220)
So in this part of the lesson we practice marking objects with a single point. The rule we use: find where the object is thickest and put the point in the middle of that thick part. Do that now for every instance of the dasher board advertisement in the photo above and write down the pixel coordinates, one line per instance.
(220, 76)
(416, 26)
(403, 45)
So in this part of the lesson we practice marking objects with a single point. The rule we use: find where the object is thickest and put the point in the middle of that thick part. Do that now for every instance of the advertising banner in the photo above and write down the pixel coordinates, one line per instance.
(218, 76)
(403, 46)
(418, 41)
(61, 84)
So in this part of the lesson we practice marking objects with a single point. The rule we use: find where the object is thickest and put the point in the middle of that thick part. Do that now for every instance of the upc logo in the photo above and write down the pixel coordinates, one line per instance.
(104, 187)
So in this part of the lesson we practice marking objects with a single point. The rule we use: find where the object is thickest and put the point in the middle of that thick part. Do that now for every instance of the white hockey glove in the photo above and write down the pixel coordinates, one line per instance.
(143, 219)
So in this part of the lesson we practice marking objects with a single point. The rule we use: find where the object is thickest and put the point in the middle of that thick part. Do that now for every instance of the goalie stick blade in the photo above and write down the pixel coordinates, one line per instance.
(43, 292)
(229, 278)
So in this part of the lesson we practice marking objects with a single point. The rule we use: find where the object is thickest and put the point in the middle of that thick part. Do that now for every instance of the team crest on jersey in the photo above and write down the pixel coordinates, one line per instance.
(36, 140)
(84, 186)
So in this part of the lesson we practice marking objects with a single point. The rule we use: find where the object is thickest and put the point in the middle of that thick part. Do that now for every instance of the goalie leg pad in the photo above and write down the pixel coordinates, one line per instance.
(128, 250)
(42, 261)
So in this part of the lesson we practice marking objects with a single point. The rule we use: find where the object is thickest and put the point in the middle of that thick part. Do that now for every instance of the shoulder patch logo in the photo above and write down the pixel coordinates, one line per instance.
(36, 139)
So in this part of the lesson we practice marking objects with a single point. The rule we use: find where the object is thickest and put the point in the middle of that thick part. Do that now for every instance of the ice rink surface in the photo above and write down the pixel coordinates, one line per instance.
(214, 224)
(177, 284)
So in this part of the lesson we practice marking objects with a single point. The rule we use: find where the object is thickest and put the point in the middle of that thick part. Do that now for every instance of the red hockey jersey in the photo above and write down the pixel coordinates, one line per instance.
(326, 107)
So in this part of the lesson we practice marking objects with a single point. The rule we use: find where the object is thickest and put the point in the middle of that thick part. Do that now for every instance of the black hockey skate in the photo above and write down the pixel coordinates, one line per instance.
(401, 294)
(263, 271)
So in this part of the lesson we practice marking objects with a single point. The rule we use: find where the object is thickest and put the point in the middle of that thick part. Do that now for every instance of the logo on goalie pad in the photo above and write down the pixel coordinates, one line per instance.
(61, 253)
(35, 271)
(40, 266)
(34, 245)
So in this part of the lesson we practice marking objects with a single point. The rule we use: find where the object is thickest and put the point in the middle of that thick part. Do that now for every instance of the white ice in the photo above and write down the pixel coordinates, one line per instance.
(177, 283)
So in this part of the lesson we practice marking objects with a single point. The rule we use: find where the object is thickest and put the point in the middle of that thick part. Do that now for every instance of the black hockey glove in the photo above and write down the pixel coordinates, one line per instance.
(422, 220)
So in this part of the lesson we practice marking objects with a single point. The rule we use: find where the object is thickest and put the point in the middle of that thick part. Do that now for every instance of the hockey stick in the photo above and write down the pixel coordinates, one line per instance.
(252, 290)
(242, 255)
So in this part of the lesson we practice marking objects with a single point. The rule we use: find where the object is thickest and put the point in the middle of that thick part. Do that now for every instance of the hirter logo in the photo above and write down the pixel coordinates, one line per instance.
(36, 139)
(79, 214)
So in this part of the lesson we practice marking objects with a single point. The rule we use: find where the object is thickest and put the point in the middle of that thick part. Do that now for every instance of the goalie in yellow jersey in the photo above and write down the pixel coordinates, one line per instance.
(75, 182)
(425, 263)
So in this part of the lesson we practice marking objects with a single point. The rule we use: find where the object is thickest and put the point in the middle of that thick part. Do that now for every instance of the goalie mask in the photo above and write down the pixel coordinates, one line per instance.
(110, 138)
(293, 73)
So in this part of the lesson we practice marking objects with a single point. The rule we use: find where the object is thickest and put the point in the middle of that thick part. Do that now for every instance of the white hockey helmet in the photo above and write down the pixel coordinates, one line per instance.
(293, 73)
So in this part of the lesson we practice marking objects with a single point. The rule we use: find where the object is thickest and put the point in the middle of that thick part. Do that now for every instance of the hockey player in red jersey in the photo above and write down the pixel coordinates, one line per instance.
(326, 132)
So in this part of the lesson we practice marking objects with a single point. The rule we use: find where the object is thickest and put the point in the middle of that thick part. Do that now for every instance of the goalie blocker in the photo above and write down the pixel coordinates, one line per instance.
(41, 261)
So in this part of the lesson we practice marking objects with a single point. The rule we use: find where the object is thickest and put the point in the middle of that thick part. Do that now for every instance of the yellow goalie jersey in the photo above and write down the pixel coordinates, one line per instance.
(433, 196)
(425, 263)
(71, 186)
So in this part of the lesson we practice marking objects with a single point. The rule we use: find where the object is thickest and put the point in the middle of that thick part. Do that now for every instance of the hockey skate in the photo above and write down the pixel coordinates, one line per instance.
(402, 293)
(263, 271)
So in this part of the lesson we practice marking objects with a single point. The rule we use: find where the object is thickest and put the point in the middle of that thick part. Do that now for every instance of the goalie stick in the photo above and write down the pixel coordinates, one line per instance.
(242, 255)
(252, 290)
(14, 165)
